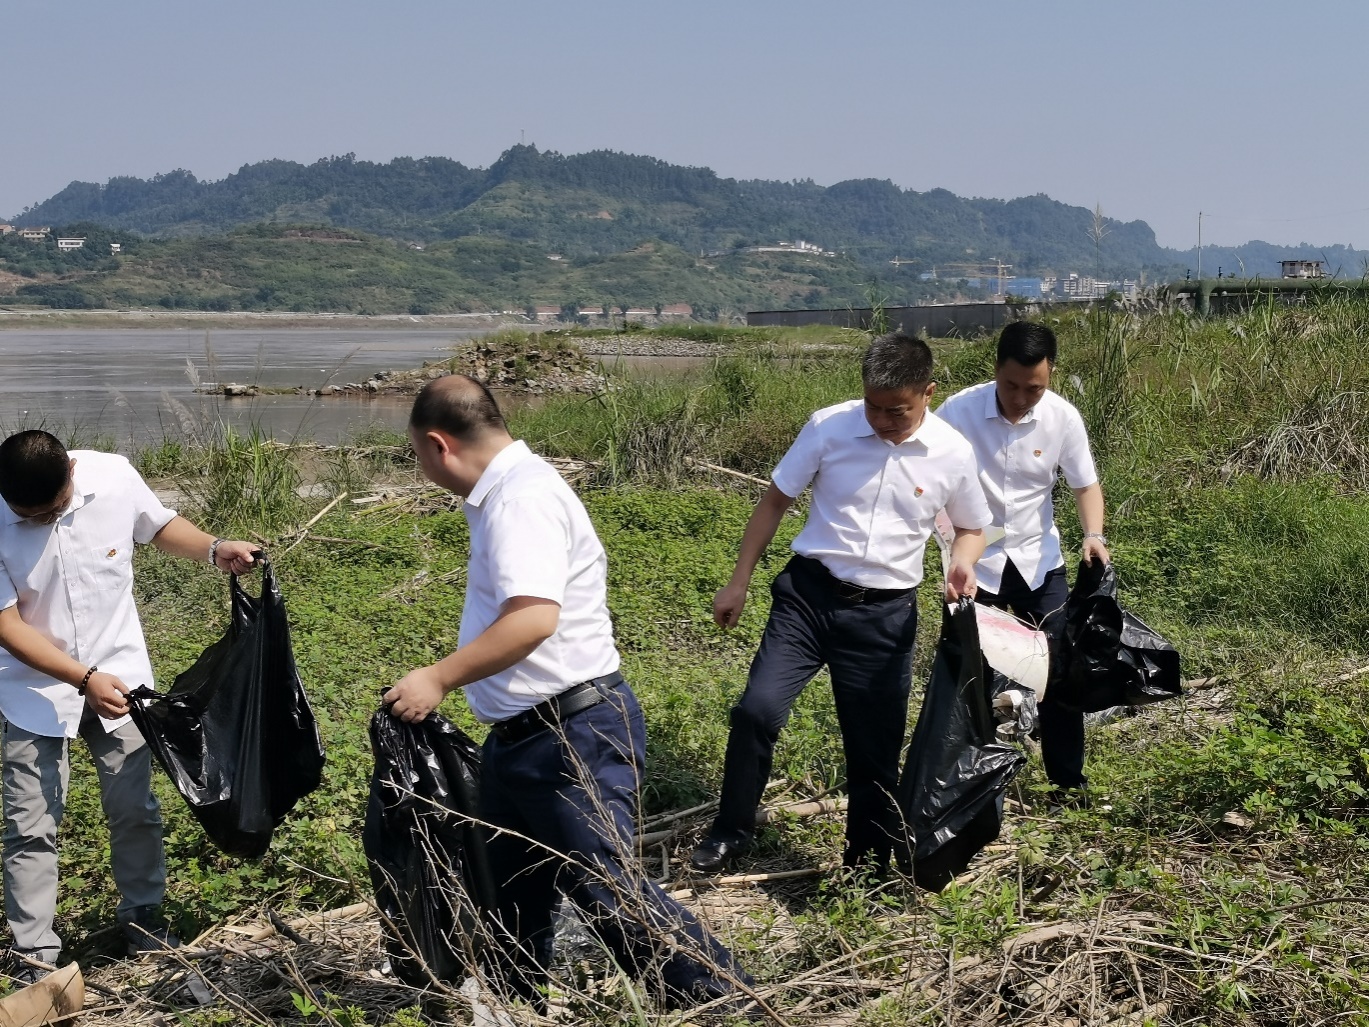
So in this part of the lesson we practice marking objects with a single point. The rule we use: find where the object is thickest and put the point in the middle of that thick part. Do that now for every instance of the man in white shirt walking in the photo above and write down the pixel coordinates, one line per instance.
(881, 468)
(562, 764)
(1024, 436)
(73, 648)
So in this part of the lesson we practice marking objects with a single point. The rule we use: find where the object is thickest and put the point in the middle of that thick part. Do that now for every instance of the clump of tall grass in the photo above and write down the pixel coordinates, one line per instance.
(245, 482)
(741, 410)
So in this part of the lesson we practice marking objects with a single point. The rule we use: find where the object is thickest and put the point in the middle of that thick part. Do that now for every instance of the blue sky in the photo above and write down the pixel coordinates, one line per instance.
(1246, 111)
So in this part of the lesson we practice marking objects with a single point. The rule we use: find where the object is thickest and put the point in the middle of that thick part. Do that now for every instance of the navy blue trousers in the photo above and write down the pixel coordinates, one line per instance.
(568, 800)
(868, 650)
(1062, 731)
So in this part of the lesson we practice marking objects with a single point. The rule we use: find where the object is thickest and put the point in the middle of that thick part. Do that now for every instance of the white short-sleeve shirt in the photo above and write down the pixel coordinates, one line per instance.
(1018, 467)
(531, 536)
(73, 582)
(874, 502)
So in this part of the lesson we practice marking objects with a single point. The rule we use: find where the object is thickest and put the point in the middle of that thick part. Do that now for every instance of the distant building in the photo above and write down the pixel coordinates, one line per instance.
(798, 246)
(6, 229)
(116, 247)
(35, 234)
(1086, 287)
(1303, 268)
(70, 244)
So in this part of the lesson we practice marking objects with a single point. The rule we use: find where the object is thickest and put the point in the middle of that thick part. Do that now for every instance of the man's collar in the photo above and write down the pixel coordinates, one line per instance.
(81, 494)
(78, 500)
(504, 461)
(864, 431)
(991, 408)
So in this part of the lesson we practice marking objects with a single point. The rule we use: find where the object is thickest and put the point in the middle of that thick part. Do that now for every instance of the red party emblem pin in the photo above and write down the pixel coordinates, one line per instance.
(917, 491)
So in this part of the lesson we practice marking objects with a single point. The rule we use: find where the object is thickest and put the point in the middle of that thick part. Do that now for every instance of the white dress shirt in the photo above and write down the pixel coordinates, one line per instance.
(73, 582)
(874, 502)
(531, 536)
(1018, 467)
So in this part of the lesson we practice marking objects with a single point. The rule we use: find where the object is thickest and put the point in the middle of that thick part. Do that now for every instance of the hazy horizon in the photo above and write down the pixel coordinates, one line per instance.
(1151, 114)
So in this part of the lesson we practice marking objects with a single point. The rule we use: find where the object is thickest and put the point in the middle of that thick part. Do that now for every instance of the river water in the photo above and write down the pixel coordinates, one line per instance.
(136, 387)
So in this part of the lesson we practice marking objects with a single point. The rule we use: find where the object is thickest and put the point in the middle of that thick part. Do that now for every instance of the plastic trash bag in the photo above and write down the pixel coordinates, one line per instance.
(426, 854)
(1109, 657)
(1014, 649)
(235, 732)
(956, 772)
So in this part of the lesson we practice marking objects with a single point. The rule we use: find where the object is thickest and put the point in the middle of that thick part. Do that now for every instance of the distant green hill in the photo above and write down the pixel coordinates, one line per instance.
(598, 203)
(626, 225)
(319, 268)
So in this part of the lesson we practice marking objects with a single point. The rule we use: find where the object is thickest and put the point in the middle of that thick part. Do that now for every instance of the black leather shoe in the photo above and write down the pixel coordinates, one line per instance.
(1060, 799)
(712, 855)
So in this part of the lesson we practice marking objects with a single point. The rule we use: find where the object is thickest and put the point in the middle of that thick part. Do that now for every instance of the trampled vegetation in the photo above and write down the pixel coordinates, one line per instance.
(1219, 877)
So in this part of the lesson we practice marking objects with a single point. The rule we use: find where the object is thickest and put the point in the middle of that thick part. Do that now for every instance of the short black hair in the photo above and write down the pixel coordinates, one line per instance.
(459, 405)
(34, 468)
(896, 361)
(1026, 342)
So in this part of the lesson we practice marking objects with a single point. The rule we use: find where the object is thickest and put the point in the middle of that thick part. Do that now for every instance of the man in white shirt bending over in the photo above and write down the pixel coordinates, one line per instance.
(73, 648)
(881, 468)
(562, 765)
(1024, 436)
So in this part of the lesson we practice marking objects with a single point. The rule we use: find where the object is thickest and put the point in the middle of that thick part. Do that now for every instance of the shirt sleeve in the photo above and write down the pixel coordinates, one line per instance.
(950, 411)
(149, 515)
(1076, 460)
(799, 466)
(9, 595)
(967, 507)
(528, 549)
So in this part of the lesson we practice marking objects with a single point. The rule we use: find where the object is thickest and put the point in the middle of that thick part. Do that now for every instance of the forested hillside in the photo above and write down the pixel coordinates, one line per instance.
(597, 203)
(537, 228)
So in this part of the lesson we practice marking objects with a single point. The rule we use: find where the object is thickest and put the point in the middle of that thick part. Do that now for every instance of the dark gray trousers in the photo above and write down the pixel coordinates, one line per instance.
(868, 650)
(35, 778)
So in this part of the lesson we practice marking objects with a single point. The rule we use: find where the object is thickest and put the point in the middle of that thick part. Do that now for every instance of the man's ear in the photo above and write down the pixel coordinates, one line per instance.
(439, 441)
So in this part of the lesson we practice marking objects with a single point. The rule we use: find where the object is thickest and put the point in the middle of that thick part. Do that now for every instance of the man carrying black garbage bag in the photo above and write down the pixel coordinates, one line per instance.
(562, 765)
(1024, 436)
(74, 647)
(881, 468)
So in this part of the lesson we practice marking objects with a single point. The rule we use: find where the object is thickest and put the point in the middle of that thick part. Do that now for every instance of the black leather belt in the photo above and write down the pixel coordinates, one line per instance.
(559, 708)
(845, 590)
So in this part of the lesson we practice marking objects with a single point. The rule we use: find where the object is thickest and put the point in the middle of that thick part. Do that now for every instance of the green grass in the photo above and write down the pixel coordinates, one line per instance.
(1255, 570)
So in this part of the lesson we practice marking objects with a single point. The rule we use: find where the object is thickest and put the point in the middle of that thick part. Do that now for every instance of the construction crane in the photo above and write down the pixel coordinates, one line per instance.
(995, 269)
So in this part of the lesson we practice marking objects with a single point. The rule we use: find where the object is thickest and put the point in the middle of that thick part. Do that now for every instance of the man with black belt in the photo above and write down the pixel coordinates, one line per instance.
(1024, 436)
(880, 469)
(536, 658)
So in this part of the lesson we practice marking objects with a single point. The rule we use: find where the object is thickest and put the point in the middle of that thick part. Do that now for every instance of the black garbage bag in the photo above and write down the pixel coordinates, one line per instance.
(235, 732)
(955, 774)
(1109, 657)
(427, 855)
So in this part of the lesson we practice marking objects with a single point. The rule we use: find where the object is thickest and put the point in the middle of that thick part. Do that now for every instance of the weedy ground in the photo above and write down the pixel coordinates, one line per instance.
(1219, 876)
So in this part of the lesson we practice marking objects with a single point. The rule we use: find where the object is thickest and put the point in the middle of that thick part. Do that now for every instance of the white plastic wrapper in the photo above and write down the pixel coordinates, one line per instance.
(1014, 649)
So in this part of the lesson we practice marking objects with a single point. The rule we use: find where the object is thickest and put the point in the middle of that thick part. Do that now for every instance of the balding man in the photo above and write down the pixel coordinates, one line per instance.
(536, 659)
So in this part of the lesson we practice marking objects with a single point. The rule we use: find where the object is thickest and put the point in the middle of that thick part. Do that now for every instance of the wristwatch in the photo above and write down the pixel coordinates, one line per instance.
(1098, 535)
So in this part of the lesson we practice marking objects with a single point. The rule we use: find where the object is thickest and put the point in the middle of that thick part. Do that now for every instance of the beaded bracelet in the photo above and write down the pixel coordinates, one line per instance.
(81, 688)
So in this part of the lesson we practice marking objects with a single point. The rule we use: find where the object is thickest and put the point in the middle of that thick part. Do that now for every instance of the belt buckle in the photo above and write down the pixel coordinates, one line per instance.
(849, 592)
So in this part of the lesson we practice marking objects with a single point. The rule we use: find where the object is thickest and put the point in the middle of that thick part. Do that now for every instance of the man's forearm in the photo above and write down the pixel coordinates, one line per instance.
(968, 546)
(759, 533)
(1089, 502)
(181, 538)
(510, 639)
(30, 646)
